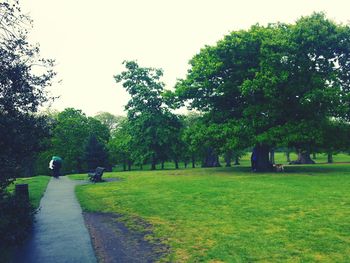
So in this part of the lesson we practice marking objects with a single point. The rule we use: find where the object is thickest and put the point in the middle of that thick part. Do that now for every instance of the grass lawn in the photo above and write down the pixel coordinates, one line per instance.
(232, 215)
(36, 185)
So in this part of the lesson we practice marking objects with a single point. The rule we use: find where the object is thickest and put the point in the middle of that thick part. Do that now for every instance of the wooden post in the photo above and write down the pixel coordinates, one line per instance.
(21, 191)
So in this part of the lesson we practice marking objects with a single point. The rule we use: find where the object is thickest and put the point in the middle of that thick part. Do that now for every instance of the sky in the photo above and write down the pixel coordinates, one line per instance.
(90, 39)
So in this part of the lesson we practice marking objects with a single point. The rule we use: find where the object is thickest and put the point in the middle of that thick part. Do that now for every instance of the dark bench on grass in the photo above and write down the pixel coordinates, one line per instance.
(97, 175)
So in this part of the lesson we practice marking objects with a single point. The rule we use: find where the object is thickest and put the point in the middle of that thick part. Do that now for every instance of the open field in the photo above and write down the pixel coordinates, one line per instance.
(233, 215)
(37, 186)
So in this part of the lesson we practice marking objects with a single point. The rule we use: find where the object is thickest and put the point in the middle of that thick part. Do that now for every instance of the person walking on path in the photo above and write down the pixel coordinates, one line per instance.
(55, 165)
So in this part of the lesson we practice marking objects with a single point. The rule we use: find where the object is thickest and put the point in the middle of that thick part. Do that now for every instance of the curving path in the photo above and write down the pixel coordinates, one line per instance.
(59, 233)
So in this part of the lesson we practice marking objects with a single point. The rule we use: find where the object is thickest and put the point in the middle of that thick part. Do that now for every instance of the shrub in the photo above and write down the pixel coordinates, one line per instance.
(16, 219)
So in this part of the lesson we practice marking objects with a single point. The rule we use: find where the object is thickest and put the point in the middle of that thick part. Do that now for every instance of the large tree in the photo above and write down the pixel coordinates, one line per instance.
(152, 125)
(24, 76)
(273, 86)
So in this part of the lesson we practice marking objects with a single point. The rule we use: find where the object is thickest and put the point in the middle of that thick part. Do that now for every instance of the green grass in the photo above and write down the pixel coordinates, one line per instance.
(36, 185)
(232, 215)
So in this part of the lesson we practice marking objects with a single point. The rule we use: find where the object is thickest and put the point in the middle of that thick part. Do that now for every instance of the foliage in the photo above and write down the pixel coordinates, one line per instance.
(95, 154)
(70, 132)
(24, 75)
(16, 218)
(110, 120)
(119, 145)
(151, 125)
(245, 81)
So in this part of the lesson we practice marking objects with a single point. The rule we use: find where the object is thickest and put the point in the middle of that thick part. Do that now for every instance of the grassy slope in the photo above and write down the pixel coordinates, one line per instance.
(37, 186)
(231, 215)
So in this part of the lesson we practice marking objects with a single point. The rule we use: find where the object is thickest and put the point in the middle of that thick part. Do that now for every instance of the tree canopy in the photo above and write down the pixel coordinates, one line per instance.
(22, 91)
(152, 126)
(275, 85)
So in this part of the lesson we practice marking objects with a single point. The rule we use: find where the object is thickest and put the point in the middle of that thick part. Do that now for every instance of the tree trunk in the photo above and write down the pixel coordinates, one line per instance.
(330, 158)
(228, 157)
(141, 166)
(124, 165)
(185, 162)
(29, 169)
(260, 159)
(176, 164)
(314, 156)
(237, 161)
(272, 156)
(303, 157)
(129, 165)
(162, 167)
(193, 161)
(211, 159)
(153, 165)
(288, 156)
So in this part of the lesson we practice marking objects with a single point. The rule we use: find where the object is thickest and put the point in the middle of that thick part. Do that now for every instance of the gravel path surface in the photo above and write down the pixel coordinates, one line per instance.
(59, 233)
(114, 243)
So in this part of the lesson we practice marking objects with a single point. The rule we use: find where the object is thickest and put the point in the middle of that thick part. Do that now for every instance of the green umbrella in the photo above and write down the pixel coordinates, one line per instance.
(57, 158)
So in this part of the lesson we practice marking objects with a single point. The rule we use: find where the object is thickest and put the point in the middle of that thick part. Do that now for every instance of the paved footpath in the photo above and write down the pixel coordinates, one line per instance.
(59, 233)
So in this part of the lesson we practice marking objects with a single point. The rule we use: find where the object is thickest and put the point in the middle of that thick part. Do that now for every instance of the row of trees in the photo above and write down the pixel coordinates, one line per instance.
(264, 88)
(267, 87)
(281, 85)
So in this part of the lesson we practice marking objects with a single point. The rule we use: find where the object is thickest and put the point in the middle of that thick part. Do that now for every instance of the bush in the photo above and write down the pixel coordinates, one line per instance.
(16, 219)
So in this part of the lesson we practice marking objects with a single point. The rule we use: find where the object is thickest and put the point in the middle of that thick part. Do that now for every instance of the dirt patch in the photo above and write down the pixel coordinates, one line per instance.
(114, 242)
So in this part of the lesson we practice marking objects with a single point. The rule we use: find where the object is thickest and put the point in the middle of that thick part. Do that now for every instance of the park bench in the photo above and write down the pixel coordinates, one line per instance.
(97, 175)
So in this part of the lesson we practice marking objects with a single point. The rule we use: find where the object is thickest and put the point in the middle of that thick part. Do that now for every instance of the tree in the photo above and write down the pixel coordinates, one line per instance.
(151, 122)
(119, 146)
(99, 130)
(22, 90)
(188, 137)
(245, 82)
(336, 138)
(109, 120)
(70, 134)
(95, 154)
(24, 76)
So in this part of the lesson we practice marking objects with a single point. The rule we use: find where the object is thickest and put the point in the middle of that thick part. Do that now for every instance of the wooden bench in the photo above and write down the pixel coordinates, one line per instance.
(97, 175)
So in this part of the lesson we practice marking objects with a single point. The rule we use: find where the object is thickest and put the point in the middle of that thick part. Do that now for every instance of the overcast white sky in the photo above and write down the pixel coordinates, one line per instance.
(90, 39)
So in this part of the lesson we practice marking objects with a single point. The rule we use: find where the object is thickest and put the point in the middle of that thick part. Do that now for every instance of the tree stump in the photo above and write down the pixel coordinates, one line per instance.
(22, 192)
